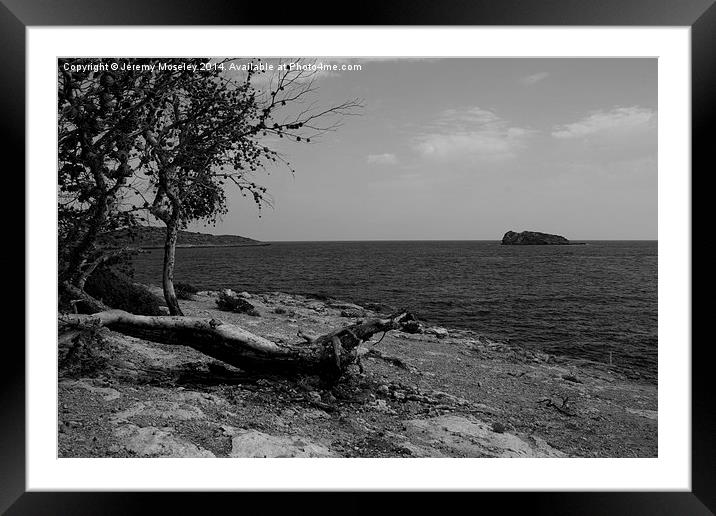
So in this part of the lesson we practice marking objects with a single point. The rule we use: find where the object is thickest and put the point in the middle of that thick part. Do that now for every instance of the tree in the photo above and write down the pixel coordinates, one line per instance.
(173, 139)
(212, 129)
(170, 136)
(98, 113)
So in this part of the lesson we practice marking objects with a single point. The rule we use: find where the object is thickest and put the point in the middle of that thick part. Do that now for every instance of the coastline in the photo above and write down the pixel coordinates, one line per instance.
(187, 246)
(580, 301)
(628, 372)
(451, 394)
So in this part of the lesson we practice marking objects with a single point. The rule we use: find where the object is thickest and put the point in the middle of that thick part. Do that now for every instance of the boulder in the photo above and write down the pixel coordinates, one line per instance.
(353, 312)
(533, 238)
(231, 302)
(439, 332)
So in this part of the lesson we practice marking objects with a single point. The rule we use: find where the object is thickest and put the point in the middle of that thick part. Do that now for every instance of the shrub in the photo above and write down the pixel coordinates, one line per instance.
(230, 302)
(83, 358)
(116, 290)
(185, 290)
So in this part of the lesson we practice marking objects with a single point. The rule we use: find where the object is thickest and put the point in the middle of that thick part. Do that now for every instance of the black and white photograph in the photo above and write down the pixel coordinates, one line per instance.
(357, 257)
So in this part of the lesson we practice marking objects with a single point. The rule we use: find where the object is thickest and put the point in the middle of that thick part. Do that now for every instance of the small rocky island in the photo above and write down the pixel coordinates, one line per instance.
(533, 238)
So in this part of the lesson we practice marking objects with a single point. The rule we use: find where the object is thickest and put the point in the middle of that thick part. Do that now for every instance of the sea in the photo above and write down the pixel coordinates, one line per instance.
(596, 301)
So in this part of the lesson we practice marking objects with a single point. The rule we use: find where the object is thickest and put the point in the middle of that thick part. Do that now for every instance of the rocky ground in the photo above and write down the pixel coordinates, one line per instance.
(443, 393)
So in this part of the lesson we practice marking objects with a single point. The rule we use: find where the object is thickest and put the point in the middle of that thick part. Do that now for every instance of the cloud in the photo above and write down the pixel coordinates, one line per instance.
(615, 123)
(382, 159)
(474, 133)
(534, 78)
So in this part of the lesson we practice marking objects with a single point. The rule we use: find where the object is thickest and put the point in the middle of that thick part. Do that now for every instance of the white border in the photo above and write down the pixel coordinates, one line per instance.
(671, 471)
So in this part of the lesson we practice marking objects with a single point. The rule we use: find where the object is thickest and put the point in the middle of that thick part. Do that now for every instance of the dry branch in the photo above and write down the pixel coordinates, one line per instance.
(328, 355)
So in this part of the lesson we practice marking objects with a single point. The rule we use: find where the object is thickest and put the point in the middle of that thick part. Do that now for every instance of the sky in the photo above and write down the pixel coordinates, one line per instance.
(467, 149)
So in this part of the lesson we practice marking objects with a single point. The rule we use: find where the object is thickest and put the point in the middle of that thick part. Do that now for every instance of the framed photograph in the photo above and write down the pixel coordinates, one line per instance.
(443, 249)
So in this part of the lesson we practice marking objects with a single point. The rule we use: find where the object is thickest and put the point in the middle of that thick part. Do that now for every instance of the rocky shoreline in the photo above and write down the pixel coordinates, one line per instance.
(190, 246)
(443, 393)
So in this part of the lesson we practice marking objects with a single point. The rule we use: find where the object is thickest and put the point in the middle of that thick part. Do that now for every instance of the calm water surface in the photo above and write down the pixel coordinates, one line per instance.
(583, 301)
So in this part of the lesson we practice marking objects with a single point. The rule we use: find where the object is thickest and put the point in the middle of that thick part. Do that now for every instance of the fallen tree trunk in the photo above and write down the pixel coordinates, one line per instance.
(328, 355)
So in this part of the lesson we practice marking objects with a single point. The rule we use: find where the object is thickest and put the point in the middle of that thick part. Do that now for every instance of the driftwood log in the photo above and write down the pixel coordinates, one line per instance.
(328, 355)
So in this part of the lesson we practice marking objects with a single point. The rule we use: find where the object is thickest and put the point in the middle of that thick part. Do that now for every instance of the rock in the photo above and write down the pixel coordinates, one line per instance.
(398, 395)
(379, 307)
(438, 331)
(475, 438)
(316, 307)
(649, 414)
(108, 394)
(201, 398)
(231, 302)
(344, 306)
(155, 442)
(258, 444)
(159, 409)
(353, 312)
(498, 428)
(533, 238)
(314, 396)
(417, 451)
(316, 414)
(447, 398)
(381, 406)
(245, 295)
(383, 390)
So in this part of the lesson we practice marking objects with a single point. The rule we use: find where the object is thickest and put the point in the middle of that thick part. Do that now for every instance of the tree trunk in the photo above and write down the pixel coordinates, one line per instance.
(105, 257)
(83, 238)
(328, 355)
(170, 246)
(76, 295)
(81, 247)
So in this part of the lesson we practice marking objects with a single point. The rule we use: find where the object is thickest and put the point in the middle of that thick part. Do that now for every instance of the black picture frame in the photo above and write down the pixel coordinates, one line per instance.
(17, 15)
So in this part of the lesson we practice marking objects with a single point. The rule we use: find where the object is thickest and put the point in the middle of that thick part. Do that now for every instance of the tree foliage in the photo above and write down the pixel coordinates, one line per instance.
(163, 143)
(213, 130)
(98, 113)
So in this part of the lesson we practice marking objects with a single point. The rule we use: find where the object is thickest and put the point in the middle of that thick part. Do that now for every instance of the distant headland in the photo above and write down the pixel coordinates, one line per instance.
(149, 237)
(535, 238)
